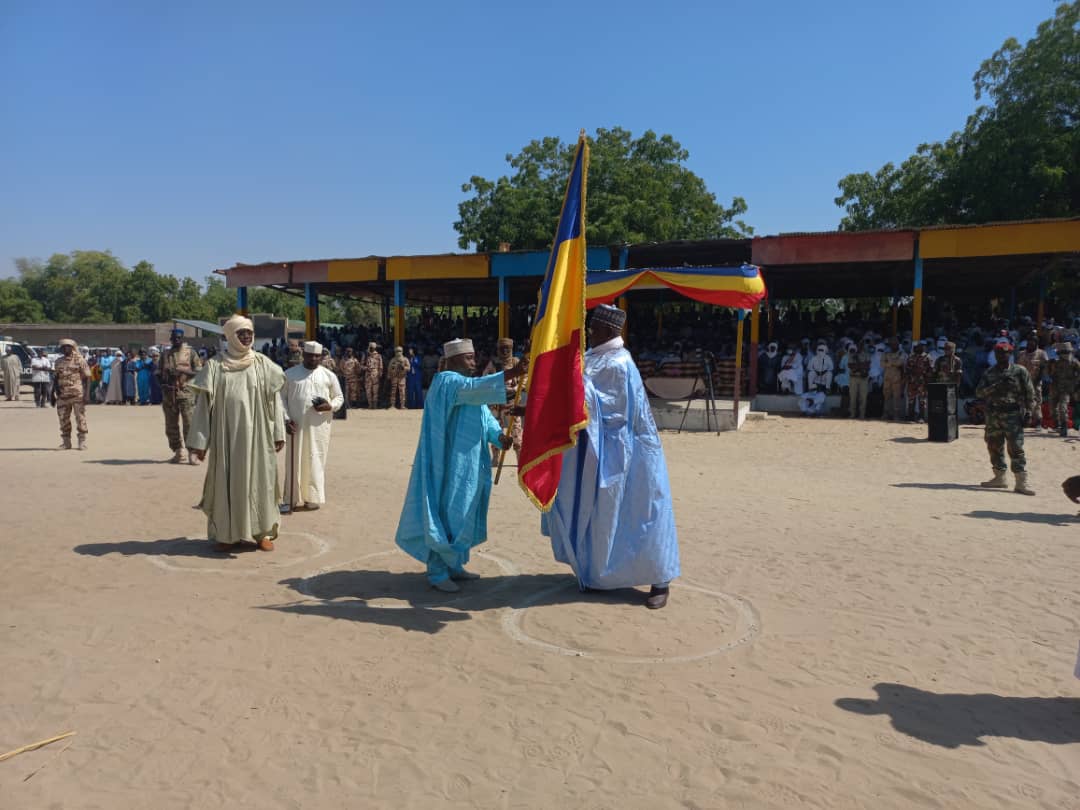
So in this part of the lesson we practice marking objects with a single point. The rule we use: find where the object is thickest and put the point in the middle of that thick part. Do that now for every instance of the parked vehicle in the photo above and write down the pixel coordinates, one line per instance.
(24, 355)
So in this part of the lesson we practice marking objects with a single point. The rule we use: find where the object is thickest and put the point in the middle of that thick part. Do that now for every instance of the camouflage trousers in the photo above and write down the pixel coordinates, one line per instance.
(502, 415)
(64, 409)
(176, 409)
(355, 390)
(1036, 413)
(1005, 429)
(372, 389)
(893, 391)
(397, 393)
(1059, 404)
(916, 395)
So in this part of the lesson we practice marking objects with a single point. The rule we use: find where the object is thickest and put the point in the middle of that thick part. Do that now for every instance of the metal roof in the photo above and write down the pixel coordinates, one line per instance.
(205, 326)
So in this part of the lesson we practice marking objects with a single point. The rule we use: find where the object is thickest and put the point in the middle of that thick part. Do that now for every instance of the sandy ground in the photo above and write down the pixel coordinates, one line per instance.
(857, 626)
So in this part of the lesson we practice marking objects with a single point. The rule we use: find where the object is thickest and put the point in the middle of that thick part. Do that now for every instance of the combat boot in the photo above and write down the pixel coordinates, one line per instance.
(65, 444)
(997, 482)
(82, 443)
(1021, 484)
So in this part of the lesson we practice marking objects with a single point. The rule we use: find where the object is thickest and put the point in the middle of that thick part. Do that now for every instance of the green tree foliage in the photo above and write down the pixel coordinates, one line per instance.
(16, 305)
(638, 191)
(1017, 157)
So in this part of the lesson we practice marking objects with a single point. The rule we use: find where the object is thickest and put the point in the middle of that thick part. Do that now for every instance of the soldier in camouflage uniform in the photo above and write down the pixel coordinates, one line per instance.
(917, 373)
(350, 370)
(1009, 397)
(504, 359)
(1035, 361)
(949, 368)
(396, 371)
(373, 375)
(69, 373)
(177, 368)
(1064, 382)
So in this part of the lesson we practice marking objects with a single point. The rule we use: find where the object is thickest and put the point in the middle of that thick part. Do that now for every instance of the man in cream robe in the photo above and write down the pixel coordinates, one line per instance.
(238, 422)
(308, 427)
(12, 373)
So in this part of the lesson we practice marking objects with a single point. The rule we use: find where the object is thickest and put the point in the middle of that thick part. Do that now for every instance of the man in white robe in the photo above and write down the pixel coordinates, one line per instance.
(791, 372)
(311, 395)
(238, 421)
(820, 372)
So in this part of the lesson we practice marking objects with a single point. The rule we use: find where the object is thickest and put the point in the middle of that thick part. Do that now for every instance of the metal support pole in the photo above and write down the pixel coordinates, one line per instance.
(738, 366)
(504, 307)
(399, 313)
(916, 306)
(755, 335)
(311, 311)
(242, 300)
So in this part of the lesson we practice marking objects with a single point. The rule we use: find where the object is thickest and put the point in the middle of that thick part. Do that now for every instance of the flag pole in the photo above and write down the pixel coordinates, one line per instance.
(510, 427)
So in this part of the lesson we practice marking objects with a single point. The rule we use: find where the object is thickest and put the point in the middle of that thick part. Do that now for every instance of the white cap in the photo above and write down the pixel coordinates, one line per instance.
(452, 348)
(313, 347)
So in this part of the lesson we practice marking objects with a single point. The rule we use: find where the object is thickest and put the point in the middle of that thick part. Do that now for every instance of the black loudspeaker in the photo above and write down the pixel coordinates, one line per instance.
(941, 420)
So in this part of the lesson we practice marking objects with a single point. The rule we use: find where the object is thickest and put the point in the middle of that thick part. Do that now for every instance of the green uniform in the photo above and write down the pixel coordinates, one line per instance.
(1064, 382)
(1009, 397)
(177, 400)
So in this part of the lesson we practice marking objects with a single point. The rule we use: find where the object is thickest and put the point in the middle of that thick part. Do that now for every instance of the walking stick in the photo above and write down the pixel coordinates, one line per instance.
(509, 430)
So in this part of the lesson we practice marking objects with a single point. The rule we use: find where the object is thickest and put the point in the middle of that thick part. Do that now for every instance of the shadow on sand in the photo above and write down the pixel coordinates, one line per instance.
(969, 487)
(123, 462)
(173, 547)
(1025, 517)
(955, 720)
(349, 594)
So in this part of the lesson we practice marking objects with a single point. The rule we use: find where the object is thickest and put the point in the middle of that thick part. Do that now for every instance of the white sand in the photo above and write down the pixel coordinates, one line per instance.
(197, 681)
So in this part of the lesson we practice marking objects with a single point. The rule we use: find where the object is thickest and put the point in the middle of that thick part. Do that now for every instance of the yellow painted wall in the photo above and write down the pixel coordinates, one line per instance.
(1001, 240)
(402, 268)
(353, 270)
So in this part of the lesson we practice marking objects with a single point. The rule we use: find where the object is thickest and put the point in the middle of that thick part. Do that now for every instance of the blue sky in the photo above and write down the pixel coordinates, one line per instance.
(195, 135)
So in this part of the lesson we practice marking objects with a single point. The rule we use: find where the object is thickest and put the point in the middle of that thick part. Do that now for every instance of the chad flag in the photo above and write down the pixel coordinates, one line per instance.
(556, 384)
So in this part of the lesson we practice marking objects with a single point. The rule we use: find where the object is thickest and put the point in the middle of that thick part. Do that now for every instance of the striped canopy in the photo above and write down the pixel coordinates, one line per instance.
(738, 287)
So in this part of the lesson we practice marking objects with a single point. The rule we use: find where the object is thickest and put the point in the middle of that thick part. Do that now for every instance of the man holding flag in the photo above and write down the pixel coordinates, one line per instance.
(607, 502)
(446, 505)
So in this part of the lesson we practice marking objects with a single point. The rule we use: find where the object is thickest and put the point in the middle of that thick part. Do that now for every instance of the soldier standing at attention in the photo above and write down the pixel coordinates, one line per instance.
(1009, 396)
(373, 375)
(69, 372)
(178, 367)
(1035, 361)
(397, 371)
(350, 370)
(949, 368)
(859, 382)
(1064, 382)
(893, 384)
(918, 373)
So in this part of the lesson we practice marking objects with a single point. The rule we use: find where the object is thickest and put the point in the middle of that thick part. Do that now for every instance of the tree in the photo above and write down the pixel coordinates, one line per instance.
(1017, 157)
(638, 191)
(16, 305)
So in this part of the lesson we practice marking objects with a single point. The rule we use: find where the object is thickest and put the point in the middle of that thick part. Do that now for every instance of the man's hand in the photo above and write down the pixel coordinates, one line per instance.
(199, 454)
(517, 410)
(1071, 488)
(290, 427)
(505, 442)
(323, 407)
(277, 446)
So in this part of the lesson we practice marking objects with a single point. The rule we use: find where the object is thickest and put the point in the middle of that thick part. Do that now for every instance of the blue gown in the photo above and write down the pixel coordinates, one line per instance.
(130, 368)
(414, 390)
(106, 370)
(142, 376)
(612, 521)
(155, 383)
(446, 505)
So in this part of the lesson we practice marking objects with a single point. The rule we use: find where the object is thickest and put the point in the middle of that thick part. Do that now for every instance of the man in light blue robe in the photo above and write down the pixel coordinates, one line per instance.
(612, 521)
(445, 511)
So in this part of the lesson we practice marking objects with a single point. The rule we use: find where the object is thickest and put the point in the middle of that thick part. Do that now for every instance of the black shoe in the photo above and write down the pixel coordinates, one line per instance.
(657, 598)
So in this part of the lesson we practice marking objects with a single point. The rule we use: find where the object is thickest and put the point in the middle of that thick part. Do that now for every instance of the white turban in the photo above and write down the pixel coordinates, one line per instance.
(237, 355)
(313, 347)
(458, 346)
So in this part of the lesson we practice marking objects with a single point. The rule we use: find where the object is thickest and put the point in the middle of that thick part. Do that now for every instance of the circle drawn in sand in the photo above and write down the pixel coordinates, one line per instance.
(747, 626)
(320, 545)
(392, 597)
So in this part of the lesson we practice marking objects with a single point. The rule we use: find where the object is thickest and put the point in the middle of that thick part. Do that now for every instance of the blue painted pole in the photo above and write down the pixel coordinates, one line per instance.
(504, 307)
(916, 307)
(399, 313)
(311, 311)
(242, 300)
